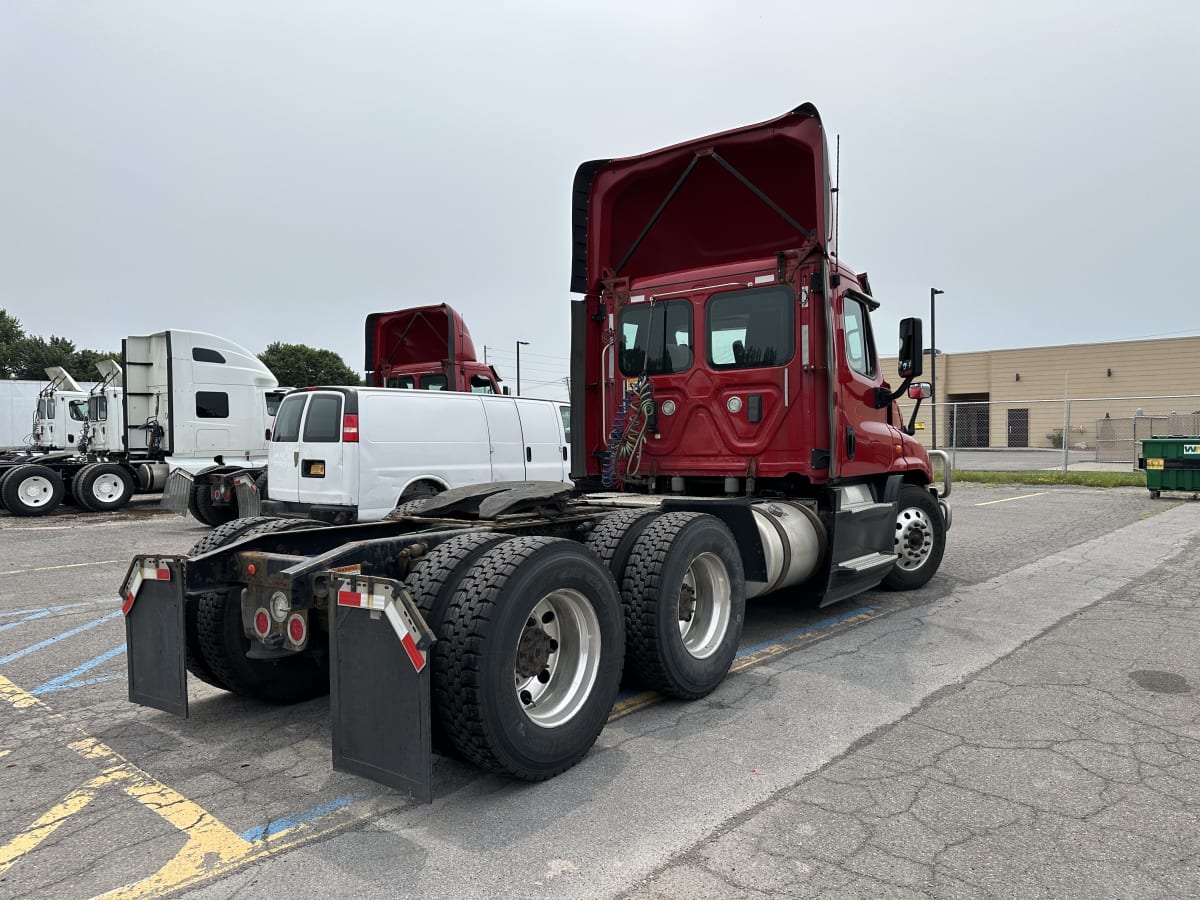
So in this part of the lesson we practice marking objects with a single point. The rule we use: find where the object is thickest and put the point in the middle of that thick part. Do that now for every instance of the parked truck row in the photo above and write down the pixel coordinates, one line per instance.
(177, 401)
(732, 436)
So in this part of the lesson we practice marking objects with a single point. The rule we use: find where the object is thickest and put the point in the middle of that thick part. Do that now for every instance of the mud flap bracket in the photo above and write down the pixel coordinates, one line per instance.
(380, 685)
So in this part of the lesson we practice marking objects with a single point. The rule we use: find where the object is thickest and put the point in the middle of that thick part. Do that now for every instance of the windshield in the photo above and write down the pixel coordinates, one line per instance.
(656, 338)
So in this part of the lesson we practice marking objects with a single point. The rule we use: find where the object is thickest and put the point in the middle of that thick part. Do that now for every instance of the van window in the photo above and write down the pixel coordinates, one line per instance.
(78, 410)
(287, 421)
(434, 382)
(203, 354)
(212, 405)
(750, 329)
(656, 338)
(323, 425)
(273, 401)
(402, 381)
(565, 411)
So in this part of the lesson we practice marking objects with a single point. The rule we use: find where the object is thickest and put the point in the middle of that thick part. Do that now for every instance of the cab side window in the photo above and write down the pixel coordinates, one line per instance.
(860, 348)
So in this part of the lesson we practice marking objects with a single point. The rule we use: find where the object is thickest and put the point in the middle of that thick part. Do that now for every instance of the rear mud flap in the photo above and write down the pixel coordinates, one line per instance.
(155, 635)
(379, 688)
(249, 500)
(177, 492)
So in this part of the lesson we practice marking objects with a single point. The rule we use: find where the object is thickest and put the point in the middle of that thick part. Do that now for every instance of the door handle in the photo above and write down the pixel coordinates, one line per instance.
(528, 454)
(851, 442)
(295, 457)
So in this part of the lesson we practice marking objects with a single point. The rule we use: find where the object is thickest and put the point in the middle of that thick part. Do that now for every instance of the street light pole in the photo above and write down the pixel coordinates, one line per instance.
(933, 292)
(520, 344)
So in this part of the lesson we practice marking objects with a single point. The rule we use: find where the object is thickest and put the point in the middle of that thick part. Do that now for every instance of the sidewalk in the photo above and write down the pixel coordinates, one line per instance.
(1070, 768)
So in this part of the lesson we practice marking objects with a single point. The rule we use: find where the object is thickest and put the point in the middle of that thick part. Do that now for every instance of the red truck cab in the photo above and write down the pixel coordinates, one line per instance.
(425, 348)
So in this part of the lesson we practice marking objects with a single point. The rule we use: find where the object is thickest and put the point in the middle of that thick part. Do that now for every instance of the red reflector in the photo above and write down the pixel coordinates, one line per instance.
(297, 630)
(350, 428)
(164, 574)
(127, 605)
(350, 598)
(262, 623)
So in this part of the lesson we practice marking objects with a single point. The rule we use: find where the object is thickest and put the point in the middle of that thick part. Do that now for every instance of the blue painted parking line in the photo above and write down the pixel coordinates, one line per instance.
(69, 680)
(800, 632)
(277, 826)
(54, 640)
(39, 614)
(8, 614)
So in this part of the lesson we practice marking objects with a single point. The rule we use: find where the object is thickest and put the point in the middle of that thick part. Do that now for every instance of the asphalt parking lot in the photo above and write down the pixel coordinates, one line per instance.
(1022, 726)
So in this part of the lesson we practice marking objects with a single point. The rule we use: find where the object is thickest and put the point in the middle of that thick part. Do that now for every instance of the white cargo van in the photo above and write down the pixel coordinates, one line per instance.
(353, 454)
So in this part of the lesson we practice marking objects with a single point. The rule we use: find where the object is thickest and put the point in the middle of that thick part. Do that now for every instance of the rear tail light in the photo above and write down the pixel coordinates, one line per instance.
(297, 629)
(262, 623)
(350, 429)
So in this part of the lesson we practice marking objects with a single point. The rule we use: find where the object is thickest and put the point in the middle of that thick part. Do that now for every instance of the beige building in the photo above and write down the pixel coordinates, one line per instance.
(1118, 392)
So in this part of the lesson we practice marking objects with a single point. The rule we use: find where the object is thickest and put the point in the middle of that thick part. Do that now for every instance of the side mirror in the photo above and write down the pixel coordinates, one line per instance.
(912, 348)
(921, 391)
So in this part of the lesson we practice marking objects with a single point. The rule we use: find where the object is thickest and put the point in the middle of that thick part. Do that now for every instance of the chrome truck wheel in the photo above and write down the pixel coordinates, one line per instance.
(684, 596)
(919, 542)
(531, 663)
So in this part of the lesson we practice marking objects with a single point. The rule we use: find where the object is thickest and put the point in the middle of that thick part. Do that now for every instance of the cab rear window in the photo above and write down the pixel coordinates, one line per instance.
(323, 424)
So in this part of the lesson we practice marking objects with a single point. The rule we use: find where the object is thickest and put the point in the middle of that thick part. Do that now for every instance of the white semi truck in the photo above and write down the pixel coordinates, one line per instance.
(178, 401)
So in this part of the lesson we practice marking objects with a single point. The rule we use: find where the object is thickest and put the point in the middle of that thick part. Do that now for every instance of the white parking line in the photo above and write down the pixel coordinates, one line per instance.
(103, 562)
(1010, 499)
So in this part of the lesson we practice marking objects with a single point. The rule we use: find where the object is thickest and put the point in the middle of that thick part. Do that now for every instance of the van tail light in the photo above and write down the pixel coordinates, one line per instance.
(349, 429)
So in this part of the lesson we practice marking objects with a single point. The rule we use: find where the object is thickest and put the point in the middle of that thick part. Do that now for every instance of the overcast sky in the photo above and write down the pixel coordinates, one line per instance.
(277, 170)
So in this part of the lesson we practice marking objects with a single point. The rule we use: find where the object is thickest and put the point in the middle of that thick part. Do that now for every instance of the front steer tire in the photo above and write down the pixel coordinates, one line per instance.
(920, 540)
(497, 631)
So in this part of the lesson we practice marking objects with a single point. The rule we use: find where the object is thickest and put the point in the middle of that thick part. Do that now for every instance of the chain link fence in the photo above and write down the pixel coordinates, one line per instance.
(1099, 429)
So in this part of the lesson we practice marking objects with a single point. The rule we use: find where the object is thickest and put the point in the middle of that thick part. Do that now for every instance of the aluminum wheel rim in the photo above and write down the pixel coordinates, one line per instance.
(914, 538)
(565, 629)
(35, 491)
(705, 605)
(108, 488)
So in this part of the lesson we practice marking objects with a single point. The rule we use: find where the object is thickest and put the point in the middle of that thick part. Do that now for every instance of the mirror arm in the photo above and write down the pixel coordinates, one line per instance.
(910, 429)
(883, 397)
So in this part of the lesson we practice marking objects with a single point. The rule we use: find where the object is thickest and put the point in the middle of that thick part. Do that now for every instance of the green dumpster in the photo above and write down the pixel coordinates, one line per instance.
(1171, 464)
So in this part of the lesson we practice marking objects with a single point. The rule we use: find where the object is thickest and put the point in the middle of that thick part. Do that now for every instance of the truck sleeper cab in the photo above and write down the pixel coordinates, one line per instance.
(355, 454)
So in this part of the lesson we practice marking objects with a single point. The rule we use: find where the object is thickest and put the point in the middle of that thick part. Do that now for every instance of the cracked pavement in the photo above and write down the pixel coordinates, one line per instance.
(1022, 726)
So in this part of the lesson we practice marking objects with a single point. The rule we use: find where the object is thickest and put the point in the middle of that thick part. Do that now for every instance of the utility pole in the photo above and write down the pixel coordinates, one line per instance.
(520, 344)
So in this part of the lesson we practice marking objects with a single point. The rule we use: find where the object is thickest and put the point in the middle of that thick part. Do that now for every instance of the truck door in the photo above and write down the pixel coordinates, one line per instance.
(865, 442)
(321, 455)
(283, 456)
(545, 451)
(506, 443)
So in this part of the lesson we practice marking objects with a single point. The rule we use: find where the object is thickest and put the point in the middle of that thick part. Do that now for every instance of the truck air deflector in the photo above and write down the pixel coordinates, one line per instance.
(155, 634)
(744, 194)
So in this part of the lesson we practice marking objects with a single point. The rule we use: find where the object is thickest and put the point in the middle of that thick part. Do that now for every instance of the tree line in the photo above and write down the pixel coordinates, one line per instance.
(27, 356)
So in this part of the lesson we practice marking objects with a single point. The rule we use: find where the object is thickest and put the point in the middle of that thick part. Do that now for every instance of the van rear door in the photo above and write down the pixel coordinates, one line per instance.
(545, 449)
(283, 453)
(321, 455)
(507, 448)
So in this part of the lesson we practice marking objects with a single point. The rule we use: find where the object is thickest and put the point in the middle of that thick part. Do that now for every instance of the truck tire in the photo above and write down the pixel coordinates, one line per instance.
(920, 540)
(201, 506)
(532, 659)
(614, 536)
(102, 487)
(4, 473)
(684, 596)
(218, 537)
(408, 508)
(223, 643)
(433, 582)
(32, 490)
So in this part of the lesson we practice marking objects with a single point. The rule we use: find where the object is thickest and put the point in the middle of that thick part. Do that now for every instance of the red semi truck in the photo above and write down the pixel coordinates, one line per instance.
(733, 437)
(427, 348)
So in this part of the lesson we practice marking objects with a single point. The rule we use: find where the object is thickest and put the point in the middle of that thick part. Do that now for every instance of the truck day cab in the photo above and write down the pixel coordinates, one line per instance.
(732, 436)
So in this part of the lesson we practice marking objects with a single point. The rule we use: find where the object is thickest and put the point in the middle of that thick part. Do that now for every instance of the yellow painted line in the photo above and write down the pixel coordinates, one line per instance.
(646, 699)
(1011, 499)
(103, 562)
(4, 753)
(212, 849)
